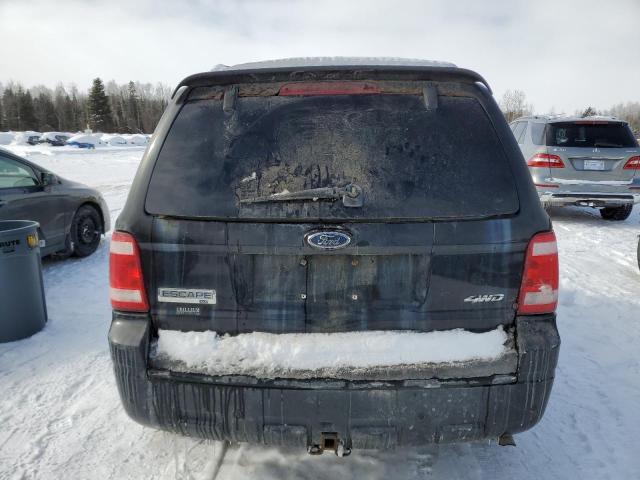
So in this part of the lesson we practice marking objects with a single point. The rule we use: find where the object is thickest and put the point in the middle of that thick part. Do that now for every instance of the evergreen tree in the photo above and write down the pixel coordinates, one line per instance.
(589, 112)
(45, 112)
(69, 123)
(133, 110)
(10, 105)
(26, 115)
(2, 119)
(99, 109)
(60, 102)
(78, 111)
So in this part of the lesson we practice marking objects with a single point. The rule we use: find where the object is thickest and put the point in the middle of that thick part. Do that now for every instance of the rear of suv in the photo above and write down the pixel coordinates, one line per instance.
(589, 162)
(334, 257)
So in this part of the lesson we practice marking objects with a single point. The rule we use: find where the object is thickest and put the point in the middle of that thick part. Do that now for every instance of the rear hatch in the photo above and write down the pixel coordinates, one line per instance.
(414, 189)
(594, 154)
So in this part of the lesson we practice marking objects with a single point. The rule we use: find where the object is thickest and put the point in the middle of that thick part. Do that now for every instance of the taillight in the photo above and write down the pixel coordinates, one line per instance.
(126, 285)
(328, 88)
(632, 164)
(545, 160)
(539, 289)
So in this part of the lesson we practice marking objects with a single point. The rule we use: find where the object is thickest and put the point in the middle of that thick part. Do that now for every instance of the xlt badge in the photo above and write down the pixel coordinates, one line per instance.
(182, 295)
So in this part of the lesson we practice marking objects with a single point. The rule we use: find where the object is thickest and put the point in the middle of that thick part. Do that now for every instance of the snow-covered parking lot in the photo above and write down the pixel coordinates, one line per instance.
(60, 415)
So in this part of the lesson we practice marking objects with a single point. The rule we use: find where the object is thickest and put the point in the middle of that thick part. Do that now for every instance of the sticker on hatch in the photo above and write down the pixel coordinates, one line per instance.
(182, 295)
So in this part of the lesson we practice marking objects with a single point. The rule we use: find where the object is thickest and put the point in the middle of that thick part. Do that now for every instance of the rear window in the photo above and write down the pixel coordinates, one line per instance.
(590, 135)
(409, 162)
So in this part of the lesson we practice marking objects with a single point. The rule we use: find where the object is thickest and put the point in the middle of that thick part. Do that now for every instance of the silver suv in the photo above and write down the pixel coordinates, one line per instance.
(589, 162)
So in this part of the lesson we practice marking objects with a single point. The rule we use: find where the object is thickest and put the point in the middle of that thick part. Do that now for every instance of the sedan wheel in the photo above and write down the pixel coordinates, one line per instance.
(86, 229)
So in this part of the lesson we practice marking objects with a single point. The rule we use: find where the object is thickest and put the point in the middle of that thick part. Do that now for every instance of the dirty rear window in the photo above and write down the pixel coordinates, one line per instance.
(405, 160)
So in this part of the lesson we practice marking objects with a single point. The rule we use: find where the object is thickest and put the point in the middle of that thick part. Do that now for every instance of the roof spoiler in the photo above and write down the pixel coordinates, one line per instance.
(342, 72)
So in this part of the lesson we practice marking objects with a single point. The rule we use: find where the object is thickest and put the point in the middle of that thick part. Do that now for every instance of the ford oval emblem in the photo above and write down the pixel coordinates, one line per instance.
(329, 239)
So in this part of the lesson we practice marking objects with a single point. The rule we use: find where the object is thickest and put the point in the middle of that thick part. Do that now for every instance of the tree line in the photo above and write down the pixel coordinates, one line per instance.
(133, 107)
(514, 105)
(136, 107)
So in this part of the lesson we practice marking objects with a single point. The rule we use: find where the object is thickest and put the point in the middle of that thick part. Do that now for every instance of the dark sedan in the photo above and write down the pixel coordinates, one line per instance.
(72, 216)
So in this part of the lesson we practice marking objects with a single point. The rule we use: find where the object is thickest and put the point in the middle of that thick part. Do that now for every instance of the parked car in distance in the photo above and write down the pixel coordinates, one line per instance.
(72, 216)
(55, 139)
(308, 199)
(588, 162)
(33, 140)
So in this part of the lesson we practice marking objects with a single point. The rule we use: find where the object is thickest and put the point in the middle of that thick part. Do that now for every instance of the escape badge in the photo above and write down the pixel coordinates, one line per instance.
(182, 295)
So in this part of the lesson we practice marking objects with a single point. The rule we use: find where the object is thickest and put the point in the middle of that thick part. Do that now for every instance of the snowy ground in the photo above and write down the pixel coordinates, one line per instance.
(60, 415)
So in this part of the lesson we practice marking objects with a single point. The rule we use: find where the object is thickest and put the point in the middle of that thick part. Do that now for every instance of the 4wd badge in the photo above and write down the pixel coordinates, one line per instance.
(498, 297)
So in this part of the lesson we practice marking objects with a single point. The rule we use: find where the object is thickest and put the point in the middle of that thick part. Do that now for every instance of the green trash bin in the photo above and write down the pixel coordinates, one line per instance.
(23, 309)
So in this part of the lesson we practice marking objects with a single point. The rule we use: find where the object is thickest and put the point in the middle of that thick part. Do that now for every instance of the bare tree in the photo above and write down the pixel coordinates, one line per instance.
(132, 107)
(630, 112)
(514, 104)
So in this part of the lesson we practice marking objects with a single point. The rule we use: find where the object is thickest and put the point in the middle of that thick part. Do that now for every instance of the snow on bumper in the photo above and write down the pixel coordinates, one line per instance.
(371, 355)
(363, 414)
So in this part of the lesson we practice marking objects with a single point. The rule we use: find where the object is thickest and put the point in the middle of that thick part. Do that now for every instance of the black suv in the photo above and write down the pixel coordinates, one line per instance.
(280, 202)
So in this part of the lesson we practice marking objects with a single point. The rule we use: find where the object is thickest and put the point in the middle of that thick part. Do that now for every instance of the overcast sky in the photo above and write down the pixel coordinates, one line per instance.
(564, 55)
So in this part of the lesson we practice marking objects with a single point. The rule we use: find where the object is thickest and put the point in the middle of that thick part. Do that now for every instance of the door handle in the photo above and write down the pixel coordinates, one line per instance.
(2, 202)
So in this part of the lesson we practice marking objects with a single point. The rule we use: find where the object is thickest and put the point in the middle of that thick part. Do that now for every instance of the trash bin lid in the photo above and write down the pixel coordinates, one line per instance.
(18, 236)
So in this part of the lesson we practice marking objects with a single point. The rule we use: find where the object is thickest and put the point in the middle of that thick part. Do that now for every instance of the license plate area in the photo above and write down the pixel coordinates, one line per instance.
(363, 292)
(593, 165)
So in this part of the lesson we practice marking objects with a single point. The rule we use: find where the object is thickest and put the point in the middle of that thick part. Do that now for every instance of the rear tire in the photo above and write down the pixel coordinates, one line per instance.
(86, 229)
(616, 213)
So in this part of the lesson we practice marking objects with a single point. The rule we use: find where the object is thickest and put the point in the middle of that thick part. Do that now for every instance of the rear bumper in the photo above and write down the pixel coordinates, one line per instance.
(360, 414)
(587, 199)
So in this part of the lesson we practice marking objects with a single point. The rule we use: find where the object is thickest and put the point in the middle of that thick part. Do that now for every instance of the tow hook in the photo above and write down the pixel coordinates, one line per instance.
(329, 441)
(342, 451)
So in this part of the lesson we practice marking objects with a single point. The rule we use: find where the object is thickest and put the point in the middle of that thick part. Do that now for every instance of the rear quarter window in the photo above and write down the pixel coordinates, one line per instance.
(518, 130)
(537, 133)
(410, 162)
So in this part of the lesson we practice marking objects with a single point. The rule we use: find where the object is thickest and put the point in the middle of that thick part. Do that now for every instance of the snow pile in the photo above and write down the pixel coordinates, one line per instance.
(73, 139)
(6, 138)
(268, 355)
(94, 139)
(113, 140)
(22, 138)
(136, 139)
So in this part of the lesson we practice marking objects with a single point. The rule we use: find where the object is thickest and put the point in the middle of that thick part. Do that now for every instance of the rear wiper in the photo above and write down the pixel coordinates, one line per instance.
(350, 194)
(605, 144)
